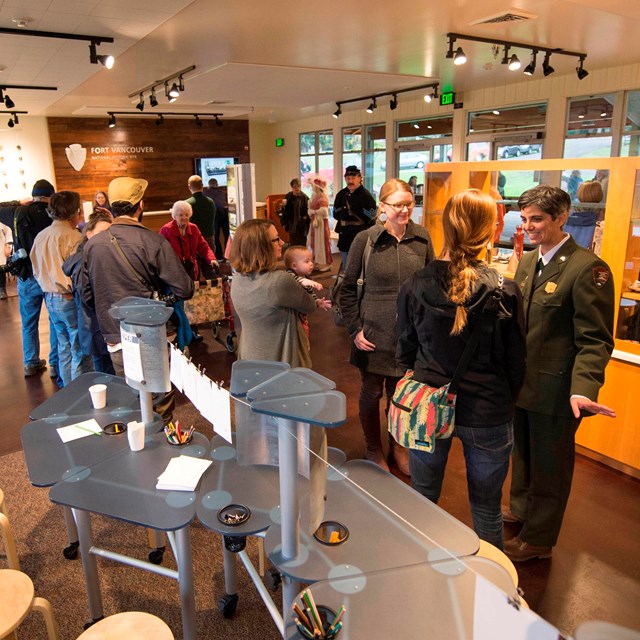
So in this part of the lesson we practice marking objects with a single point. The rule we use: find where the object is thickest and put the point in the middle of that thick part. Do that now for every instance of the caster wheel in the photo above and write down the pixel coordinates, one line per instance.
(156, 555)
(71, 552)
(231, 345)
(228, 604)
(215, 329)
(273, 579)
(90, 623)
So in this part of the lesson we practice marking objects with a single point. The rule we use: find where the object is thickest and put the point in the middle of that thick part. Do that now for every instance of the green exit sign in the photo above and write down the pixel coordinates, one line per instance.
(447, 98)
(279, 142)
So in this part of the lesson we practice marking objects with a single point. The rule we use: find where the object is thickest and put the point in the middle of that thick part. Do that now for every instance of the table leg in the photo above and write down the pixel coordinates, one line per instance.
(185, 582)
(89, 564)
(289, 505)
(230, 571)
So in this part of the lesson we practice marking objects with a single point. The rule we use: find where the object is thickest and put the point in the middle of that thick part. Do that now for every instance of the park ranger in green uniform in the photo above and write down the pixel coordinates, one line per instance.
(569, 306)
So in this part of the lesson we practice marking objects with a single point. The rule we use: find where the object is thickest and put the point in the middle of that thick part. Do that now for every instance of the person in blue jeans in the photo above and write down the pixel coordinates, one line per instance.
(439, 308)
(27, 218)
(51, 247)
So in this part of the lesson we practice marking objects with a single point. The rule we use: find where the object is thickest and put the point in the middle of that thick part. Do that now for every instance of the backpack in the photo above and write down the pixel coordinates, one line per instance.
(334, 295)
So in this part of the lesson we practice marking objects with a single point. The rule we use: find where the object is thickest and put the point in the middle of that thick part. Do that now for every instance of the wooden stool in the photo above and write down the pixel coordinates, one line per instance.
(16, 602)
(492, 552)
(7, 537)
(132, 625)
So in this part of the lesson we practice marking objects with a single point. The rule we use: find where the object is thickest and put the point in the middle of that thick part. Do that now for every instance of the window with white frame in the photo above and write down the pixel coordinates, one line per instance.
(589, 133)
(316, 158)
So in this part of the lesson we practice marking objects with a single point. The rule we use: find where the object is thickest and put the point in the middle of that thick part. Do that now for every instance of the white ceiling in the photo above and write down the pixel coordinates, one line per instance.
(277, 60)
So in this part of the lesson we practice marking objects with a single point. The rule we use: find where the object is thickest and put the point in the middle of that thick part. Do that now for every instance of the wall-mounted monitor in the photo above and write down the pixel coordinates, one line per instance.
(208, 168)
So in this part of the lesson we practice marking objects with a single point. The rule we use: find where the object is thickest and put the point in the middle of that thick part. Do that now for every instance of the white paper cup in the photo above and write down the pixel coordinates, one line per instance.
(98, 395)
(135, 434)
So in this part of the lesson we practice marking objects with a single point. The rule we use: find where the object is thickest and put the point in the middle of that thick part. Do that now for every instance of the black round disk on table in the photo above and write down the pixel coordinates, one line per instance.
(114, 428)
(234, 514)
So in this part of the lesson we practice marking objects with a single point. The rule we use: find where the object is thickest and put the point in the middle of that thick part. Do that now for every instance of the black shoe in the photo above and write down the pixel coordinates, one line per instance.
(196, 337)
(32, 369)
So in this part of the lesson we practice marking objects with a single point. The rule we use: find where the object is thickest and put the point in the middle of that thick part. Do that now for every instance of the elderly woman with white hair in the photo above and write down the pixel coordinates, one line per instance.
(188, 243)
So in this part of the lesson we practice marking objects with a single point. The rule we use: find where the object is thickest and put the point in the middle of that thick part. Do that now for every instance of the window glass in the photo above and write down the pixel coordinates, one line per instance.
(375, 158)
(588, 132)
(511, 120)
(631, 140)
(307, 143)
(316, 157)
(410, 130)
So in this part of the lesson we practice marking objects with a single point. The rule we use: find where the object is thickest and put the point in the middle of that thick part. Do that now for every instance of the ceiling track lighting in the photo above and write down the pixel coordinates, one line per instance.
(14, 120)
(160, 116)
(393, 103)
(140, 105)
(173, 87)
(8, 102)
(580, 70)
(530, 69)
(512, 61)
(94, 41)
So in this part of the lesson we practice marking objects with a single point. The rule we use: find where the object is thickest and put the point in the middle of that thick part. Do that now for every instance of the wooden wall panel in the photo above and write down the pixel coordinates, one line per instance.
(164, 155)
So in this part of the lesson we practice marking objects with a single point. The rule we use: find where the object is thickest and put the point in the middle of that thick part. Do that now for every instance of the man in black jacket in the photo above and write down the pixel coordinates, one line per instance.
(354, 209)
(27, 220)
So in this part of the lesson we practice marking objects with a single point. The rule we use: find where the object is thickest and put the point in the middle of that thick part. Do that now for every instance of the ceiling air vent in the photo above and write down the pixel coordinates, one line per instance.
(506, 17)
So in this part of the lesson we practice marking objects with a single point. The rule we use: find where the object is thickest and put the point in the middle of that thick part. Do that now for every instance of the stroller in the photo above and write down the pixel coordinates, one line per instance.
(231, 339)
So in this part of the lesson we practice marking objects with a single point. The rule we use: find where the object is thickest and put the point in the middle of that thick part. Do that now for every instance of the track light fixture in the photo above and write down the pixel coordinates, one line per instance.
(513, 61)
(393, 103)
(547, 69)
(173, 87)
(530, 69)
(580, 70)
(14, 120)
(459, 57)
(8, 102)
(159, 116)
(11, 123)
(105, 60)
(140, 105)
(94, 41)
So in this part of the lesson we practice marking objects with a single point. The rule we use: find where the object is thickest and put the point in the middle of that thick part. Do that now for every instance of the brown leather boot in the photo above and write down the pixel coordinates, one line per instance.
(400, 456)
(517, 550)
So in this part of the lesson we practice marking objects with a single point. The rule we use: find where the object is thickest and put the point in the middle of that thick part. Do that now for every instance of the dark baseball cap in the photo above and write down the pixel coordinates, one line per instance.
(352, 170)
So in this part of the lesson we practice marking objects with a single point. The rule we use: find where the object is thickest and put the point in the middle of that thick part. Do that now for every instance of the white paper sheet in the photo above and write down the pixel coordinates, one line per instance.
(494, 618)
(203, 385)
(182, 473)
(190, 381)
(79, 430)
(221, 407)
(131, 357)
(175, 368)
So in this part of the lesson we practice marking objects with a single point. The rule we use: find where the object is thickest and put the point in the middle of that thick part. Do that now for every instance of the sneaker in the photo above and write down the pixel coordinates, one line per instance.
(635, 286)
(3, 294)
(32, 369)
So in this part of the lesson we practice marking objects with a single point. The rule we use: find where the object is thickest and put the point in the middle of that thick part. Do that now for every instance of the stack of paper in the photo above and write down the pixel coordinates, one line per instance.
(182, 474)
(79, 430)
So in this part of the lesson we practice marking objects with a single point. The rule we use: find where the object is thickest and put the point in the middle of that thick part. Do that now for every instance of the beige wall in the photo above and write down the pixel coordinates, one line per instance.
(32, 134)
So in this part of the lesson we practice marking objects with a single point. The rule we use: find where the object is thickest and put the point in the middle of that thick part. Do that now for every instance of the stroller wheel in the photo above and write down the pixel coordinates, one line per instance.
(231, 345)
(215, 329)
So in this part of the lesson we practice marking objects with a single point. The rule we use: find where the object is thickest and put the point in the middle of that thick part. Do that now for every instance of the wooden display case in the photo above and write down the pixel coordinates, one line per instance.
(613, 441)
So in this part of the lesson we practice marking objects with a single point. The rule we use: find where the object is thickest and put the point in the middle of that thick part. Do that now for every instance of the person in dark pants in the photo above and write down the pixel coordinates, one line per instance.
(354, 210)
(569, 306)
(221, 222)
(295, 215)
(398, 248)
(204, 217)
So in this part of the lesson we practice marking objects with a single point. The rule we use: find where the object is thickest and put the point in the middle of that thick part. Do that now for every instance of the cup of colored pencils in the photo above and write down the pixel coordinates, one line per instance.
(176, 435)
(316, 622)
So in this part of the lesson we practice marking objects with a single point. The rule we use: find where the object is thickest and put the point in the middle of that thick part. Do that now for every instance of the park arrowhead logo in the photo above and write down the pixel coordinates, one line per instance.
(76, 155)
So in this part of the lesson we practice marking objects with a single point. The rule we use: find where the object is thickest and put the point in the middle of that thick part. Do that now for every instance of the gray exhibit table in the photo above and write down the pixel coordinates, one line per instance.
(390, 525)
(100, 474)
(429, 600)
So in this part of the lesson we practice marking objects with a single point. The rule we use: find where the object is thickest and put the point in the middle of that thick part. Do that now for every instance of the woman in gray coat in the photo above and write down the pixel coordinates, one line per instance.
(396, 249)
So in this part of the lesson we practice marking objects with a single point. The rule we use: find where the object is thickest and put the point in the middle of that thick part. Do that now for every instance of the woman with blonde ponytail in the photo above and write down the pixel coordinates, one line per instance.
(438, 309)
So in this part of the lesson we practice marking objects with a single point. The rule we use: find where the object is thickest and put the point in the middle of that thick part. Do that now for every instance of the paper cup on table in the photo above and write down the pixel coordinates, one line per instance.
(135, 433)
(98, 395)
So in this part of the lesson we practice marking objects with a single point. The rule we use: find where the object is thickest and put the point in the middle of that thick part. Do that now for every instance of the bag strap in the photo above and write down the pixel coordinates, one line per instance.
(125, 260)
(473, 342)
(363, 270)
